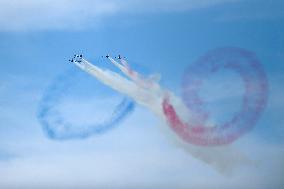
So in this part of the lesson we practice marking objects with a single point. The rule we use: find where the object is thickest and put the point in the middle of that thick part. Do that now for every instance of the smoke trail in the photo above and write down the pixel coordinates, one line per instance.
(224, 158)
(248, 68)
(145, 82)
(56, 127)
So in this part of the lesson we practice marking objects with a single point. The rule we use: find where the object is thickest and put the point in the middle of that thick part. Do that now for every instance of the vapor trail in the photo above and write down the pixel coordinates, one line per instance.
(152, 96)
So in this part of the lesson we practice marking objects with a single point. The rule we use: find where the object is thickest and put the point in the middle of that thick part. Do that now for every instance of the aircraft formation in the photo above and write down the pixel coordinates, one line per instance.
(78, 58)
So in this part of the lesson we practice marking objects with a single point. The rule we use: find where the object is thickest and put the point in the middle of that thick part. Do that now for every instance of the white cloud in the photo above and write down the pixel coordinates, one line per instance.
(66, 165)
(253, 10)
(29, 15)
(51, 14)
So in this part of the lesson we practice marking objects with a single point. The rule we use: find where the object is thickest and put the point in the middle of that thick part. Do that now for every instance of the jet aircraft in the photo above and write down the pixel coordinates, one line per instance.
(76, 58)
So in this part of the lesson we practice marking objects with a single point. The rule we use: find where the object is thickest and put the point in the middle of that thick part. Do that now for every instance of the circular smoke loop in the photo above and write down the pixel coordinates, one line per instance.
(57, 127)
(254, 100)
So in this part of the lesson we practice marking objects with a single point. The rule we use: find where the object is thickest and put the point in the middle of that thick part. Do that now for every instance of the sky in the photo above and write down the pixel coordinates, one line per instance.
(38, 37)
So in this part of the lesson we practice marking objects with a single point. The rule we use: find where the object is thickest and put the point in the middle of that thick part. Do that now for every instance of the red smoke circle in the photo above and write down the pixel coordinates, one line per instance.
(254, 100)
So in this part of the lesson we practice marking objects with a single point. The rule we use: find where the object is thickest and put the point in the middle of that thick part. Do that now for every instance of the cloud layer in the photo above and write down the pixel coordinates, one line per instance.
(80, 14)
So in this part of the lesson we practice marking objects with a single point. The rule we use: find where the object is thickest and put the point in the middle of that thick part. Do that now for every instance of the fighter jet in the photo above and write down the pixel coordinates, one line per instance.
(106, 56)
(119, 57)
(77, 58)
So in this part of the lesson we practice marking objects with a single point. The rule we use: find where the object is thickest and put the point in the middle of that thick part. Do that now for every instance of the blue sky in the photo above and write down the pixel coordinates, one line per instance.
(38, 37)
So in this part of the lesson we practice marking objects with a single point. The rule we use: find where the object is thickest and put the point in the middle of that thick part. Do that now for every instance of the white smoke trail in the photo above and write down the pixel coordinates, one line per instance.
(151, 95)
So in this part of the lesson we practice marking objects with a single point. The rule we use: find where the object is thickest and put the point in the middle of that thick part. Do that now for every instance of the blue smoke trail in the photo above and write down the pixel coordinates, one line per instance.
(57, 128)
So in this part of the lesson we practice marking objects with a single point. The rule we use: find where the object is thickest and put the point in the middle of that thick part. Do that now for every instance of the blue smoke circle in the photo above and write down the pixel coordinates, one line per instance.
(57, 127)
